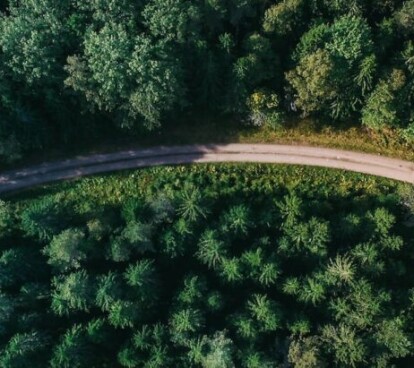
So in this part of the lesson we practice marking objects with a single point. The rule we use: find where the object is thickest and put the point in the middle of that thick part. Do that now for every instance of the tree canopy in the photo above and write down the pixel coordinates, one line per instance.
(209, 266)
(74, 69)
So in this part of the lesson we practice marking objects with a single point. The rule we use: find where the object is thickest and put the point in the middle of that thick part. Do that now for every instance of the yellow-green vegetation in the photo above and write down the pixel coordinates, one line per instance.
(293, 131)
(203, 130)
(210, 266)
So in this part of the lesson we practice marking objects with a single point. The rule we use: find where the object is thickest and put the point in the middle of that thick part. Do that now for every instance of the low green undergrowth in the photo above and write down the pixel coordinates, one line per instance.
(209, 266)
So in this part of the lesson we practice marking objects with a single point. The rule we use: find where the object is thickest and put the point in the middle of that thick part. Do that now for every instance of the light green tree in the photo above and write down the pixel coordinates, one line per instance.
(72, 292)
(66, 250)
(211, 249)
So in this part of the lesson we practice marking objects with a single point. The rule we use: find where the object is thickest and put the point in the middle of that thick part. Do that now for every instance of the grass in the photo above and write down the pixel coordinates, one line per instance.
(229, 130)
(112, 189)
(302, 131)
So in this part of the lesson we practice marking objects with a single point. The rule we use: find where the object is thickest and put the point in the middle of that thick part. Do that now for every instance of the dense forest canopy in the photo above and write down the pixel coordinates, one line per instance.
(209, 266)
(74, 68)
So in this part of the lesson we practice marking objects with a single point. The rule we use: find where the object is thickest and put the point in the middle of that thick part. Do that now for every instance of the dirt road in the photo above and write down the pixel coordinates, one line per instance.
(261, 153)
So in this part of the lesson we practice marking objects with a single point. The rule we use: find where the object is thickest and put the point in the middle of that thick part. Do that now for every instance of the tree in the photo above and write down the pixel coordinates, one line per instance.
(151, 343)
(72, 351)
(101, 74)
(17, 265)
(290, 208)
(138, 235)
(404, 17)
(215, 301)
(384, 105)
(264, 109)
(171, 20)
(109, 289)
(211, 250)
(246, 327)
(158, 77)
(7, 307)
(341, 7)
(135, 238)
(269, 273)
(216, 351)
(40, 28)
(6, 218)
(311, 236)
(101, 12)
(347, 347)
(329, 57)
(305, 353)
(361, 306)
(193, 290)
(43, 219)
(231, 270)
(251, 70)
(162, 208)
(124, 313)
(25, 349)
(66, 250)
(391, 334)
(284, 17)
(312, 82)
(185, 323)
(341, 270)
(237, 220)
(142, 277)
(265, 311)
(191, 204)
(313, 290)
(127, 73)
(73, 292)
(99, 332)
(127, 357)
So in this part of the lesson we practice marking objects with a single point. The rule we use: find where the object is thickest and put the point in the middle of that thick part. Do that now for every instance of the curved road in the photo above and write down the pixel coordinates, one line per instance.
(261, 153)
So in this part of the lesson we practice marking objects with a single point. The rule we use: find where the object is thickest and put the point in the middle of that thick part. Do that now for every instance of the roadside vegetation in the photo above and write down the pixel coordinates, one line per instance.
(209, 266)
(94, 71)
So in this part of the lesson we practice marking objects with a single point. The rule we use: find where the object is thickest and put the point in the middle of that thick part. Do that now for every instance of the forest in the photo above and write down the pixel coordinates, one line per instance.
(210, 266)
(74, 70)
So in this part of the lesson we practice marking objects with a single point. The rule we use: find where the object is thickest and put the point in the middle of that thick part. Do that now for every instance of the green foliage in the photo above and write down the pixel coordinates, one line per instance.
(330, 58)
(42, 219)
(65, 250)
(72, 350)
(383, 107)
(36, 26)
(312, 83)
(264, 109)
(304, 353)
(17, 265)
(171, 19)
(190, 205)
(72, 292)
(404, 17)
(184, 323)
(217, 351)
(123, 314)
(211, 249)
(237, 220)
(283, 17)
(347, 347)
(78, 71)
(109, 289)
(263, 266)
(111, 58)
(265, 311)
(6, 218)
(24, 349)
